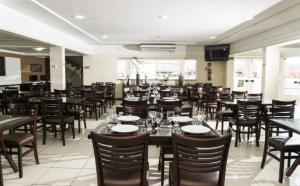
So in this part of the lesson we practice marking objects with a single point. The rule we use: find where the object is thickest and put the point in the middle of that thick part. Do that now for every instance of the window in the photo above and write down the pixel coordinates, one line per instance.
(157, 68)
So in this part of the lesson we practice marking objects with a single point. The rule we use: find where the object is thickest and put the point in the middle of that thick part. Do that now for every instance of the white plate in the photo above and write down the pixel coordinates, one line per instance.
(125, 128)
(195, 129)
(182, 119)
(128, 118)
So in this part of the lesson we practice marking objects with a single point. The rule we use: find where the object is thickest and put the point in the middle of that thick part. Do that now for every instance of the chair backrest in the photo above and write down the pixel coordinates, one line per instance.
(168, 105)
(200, 156)
(141, 111)
(184, 111)
(18, 109)
(257, 96)
(37, 90)
(248, 110)
(141, 103)
(283, 108)
(226, 90)
(239, 94)
(120, 154)
(61, 93)
(140, 93)
(165, 93)
(10, 94)
(90, 96)
(51, 107)
(279, 110)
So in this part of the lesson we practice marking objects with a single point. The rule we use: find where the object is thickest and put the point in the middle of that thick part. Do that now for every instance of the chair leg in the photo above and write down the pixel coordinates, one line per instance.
(84, 121)
(264, 154)
(222, 125)
(20, 162)
(289, 159)
(79, 128)
(257, 136)
(36, 156)
(96, 112)
(162, 171)
(237, 135)
(217, 122)
(281, 167)
(44, 134)
(73, 128)
(62, 127)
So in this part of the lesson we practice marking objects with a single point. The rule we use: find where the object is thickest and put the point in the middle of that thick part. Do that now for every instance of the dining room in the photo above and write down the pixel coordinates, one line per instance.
(139, 92)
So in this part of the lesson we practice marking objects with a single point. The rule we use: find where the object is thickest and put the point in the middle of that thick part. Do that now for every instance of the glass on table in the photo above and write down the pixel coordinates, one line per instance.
(170, 115)
(158, 118)
(175, 95)
(200, 116)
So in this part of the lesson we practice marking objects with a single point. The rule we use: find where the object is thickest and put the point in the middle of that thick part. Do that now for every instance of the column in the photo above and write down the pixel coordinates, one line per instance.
(271, 72)
(57, 68)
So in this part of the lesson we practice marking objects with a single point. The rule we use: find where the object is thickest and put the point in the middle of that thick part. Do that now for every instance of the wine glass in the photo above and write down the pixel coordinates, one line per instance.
(175, 95)
(200, 116)
(158, 118)
(170, 115)
(149, 123)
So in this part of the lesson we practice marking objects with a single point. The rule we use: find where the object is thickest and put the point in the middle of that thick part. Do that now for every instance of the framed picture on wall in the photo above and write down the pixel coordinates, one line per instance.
(35, 68)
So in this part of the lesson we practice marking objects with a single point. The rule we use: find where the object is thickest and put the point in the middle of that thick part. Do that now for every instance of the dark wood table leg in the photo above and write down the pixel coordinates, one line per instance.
(1, 175)
(293, 167)
(6, 155)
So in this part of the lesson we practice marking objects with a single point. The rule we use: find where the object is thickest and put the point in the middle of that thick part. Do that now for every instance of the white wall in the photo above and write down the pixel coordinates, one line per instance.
(13, 71)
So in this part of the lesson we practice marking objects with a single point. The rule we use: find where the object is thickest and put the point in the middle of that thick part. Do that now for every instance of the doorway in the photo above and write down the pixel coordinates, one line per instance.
(248, 74)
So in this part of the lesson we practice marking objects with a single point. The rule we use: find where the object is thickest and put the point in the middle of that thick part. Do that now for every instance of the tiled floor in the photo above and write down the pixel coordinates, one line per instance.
(74, 164)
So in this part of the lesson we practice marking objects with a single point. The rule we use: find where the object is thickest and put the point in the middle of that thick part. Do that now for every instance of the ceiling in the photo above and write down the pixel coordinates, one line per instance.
(23, 45)
(137, 21)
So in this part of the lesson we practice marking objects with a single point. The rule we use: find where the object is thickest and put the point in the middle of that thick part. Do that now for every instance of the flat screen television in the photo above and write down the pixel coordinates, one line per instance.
(2, 66)
(217, 52)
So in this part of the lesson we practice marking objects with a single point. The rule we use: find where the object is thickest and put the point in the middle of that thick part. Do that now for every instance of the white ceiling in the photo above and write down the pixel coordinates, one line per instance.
(136, 21)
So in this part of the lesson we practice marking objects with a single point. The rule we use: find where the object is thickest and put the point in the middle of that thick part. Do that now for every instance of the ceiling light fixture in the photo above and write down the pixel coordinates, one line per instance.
(39, 49)
(163, 17)
(212, 37)
(104, 37)
(78, 16)
(247, 18)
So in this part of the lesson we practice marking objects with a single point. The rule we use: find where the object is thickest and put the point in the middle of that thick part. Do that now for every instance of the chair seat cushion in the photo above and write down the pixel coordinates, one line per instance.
(65, 119)
(195, 179)
(115, 178)
(243, 121)
(18, 139)
(285, 143)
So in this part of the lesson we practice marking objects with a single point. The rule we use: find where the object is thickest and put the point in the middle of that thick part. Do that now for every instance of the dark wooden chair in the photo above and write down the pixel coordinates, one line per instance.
(61, 93)
(279, 143)
(22, 140)
(135, 103)
(110, 93)
(199, 161)
(53, 115)
(223, 113)
(165, 93)
(142, 112)
(79, 113)
(9, 95)
(165, 106)
(257, 96)
(91, 103)
(246, 116)
(211, 104)
(239, 94)
(140, 93)
(121, 160)
(101, 102)
(37, 90)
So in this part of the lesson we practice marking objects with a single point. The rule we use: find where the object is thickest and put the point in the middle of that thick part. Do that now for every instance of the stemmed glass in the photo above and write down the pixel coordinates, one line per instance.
(175, 95)
(158, 118)
(149, 123)
(170, 115)
(200, 116)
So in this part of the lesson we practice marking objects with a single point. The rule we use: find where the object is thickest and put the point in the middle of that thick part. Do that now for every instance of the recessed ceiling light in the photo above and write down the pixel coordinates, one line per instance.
(104, 37)
(212, 37)
(163, 17)
(78, 16)
(39, 49)
(247, 18)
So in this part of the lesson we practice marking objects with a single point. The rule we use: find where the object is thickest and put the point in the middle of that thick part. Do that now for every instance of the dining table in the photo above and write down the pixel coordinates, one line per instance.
(8, 122)
(292, 125)
(158, 136)
(66, 100)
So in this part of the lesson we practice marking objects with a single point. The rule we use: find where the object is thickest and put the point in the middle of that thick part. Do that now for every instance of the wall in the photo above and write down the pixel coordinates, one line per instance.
(13, 71)
(25, 65)
(102, 65)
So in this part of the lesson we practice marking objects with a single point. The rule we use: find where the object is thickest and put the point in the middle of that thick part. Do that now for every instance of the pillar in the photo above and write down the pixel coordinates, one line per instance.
(57, 68)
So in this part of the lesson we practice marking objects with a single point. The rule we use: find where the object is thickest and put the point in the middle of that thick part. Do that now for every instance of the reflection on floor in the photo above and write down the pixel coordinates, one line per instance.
(74, 164)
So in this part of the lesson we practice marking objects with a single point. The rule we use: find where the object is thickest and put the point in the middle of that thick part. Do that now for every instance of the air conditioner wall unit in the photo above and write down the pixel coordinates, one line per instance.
(157, 47)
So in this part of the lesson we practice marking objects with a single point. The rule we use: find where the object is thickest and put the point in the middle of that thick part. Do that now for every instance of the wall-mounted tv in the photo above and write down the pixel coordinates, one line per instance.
(217, 52)
(2, 66)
